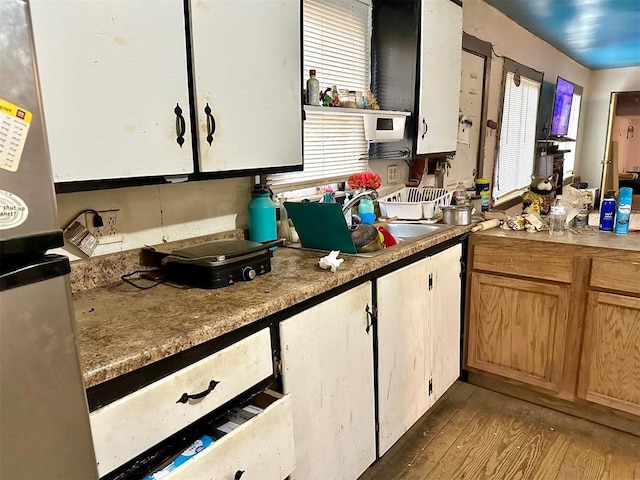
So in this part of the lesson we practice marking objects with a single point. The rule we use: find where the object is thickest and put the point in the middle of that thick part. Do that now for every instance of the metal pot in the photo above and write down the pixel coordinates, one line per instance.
(457, 214)
(365, 237)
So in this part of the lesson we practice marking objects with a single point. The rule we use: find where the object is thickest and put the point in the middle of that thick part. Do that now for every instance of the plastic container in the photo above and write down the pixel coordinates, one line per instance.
(623, 212)
(608, 211)
(482, 189)
(262, 216)
(415, 203)
(366, 210)
(557, 217)
(460, 196)
(313, 89)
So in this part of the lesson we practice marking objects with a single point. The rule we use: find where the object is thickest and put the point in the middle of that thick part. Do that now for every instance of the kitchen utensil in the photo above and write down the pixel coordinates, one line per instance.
(457, 214)
(486, 225)
(385, 222)
(365, 237)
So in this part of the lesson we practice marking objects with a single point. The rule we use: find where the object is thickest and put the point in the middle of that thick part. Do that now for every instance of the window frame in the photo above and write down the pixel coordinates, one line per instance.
(513, 67)
(287, 182)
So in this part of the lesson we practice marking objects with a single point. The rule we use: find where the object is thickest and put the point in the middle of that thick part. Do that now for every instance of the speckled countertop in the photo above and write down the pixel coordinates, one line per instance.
(121, 328)
(588, 237)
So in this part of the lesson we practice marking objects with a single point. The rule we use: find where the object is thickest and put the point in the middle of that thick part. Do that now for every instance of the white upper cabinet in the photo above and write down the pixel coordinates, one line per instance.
(246, 60)
(112, 74)
(440, 66)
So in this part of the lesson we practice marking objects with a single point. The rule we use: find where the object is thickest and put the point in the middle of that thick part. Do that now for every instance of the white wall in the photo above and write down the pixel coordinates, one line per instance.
(511, 40)
(162, 213)
(603, 83)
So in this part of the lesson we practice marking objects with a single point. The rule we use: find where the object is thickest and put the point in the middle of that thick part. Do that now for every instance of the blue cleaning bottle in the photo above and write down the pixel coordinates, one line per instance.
(608, 211)
(623, 213)
(262, 216)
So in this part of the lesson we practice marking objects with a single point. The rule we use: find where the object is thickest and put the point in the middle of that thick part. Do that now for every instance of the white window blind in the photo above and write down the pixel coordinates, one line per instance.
(572, 132)
(516, 151)
(336, 43)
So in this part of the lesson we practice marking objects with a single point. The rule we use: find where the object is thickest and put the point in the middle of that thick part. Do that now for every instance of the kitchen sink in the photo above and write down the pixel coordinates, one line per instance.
(404, 233)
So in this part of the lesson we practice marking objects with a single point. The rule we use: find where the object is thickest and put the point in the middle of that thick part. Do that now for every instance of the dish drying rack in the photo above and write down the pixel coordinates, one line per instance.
(415, 203)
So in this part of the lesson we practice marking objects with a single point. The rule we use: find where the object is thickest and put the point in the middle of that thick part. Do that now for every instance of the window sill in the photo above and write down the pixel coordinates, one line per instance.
(354, 111)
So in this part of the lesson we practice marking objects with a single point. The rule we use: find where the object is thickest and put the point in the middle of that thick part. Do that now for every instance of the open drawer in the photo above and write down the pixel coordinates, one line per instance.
(262, 448)
(129, 426)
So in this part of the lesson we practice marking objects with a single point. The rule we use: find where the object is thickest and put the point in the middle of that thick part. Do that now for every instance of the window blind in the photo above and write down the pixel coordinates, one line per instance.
(516, 151)
(336, 43)
(572, 132)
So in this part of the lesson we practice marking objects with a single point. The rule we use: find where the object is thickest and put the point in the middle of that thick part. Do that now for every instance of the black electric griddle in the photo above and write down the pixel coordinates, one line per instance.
(219, 263)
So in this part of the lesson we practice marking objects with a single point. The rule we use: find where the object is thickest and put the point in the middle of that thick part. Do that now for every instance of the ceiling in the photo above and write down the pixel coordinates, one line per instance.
(596, 33)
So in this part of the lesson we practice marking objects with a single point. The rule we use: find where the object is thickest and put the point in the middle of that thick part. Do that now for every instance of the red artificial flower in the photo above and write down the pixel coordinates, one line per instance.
(364, 180)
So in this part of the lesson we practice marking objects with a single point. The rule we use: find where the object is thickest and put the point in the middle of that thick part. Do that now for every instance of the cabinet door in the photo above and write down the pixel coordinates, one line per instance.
(610, 365)
(246, 60)
(404, 354)
(112, 73)
(446, 321)
(517, 329)
(440, 71)
(327, 360)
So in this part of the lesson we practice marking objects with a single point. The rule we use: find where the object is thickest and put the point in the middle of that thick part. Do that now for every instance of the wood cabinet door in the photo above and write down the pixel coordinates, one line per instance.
(112, 74)
(327, 363)
(246, 62)
(517, 329)
(440, 64)
(610, 364)
(404, 350)
(446, 319)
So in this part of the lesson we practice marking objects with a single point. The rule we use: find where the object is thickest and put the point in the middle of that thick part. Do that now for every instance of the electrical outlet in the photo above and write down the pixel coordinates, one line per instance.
(392, 174)
(109, 231)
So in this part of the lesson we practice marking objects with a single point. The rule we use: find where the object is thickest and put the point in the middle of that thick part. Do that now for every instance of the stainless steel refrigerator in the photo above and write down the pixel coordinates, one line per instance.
(44, 419)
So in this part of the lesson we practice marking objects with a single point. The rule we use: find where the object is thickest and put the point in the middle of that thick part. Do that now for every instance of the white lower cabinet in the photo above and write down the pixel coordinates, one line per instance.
(418, 311)
(327, 363)
(259, 449)
(129, 426)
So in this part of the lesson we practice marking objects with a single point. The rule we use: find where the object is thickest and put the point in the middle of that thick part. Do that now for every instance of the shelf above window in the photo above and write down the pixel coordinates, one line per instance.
(353, 111)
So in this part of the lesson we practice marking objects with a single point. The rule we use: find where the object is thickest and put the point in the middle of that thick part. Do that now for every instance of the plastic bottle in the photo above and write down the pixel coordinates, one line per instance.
(365, 210)
(262, 216)
(607, 211)
(557, 217)
(313, 89)
(482, 189)
(623, 213)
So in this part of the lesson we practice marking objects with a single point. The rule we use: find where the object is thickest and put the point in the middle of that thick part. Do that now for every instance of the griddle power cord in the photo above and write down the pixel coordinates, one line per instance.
(125, 278)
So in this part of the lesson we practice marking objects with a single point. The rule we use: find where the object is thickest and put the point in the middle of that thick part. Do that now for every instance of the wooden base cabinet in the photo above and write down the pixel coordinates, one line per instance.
(418, 328)
(557, 323)
(327, 368)
(610, 366)
(517, 329)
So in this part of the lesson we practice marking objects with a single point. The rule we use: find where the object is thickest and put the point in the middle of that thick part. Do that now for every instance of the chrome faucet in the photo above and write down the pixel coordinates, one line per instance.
(348, 206)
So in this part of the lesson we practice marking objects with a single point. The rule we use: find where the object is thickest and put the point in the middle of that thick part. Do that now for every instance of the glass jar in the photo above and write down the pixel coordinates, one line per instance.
(352, 102)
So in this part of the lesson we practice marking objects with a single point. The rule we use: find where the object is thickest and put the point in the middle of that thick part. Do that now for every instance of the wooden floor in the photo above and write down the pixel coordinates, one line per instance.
(474, 433)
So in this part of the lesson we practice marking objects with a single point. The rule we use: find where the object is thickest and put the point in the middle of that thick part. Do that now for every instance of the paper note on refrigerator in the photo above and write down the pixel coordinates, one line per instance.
(14, 127)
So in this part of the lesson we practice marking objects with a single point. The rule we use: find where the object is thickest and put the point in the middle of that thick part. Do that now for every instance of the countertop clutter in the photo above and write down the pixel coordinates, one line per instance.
(121, 328)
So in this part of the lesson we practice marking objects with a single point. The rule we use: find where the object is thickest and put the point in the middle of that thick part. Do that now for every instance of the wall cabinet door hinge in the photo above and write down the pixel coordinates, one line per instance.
(430, 386)
(430, 281)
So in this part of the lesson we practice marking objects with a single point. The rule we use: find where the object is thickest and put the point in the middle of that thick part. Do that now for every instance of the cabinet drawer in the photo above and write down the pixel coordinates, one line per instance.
(131, 425)
(623, 275)
(262, 448)
(514, 260)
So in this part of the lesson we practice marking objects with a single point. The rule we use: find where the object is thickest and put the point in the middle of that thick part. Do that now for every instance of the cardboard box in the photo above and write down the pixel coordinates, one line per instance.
(193, 449)
(241, 415)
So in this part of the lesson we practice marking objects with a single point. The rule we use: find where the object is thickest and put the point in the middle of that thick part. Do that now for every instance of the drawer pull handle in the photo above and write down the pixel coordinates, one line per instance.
(211, 124)
(186, 397)
(238, 475)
